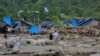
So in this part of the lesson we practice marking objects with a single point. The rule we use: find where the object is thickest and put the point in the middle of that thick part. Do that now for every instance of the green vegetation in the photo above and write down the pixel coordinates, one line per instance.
(70, 8)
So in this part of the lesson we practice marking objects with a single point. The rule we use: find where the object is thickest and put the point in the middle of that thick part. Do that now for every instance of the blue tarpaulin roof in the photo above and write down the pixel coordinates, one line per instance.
(34, 30)
(8, 20)
(73, 23)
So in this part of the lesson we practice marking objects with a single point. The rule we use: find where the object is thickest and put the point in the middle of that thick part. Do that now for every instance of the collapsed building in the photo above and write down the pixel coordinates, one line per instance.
(20, 26)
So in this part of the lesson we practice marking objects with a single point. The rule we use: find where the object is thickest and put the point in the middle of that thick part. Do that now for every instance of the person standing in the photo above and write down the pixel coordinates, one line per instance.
(55, 37)
(50, 36)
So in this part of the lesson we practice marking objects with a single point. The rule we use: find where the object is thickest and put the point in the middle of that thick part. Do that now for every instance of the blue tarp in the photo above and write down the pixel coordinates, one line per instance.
(73, 23)
(8, 20)
(34, 30)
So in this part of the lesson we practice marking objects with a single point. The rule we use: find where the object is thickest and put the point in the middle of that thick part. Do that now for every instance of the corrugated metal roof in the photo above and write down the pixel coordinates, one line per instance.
(27, 23)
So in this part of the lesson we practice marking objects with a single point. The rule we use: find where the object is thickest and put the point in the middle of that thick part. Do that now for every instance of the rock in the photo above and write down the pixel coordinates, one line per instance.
(82, 45)
(2, 47)
(68, 55)
(64, 44)
(95, 55)
(23, 42)
(67, 36)
(9, 43)
(16, 48)
(49, 42)
(90, 40)
(77, 36)
(38, 42)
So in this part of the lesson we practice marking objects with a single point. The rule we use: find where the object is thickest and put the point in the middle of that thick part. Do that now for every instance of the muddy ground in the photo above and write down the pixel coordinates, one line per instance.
(68, 45)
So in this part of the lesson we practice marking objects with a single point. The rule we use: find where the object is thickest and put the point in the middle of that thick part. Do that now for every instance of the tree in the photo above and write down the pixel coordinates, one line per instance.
(71, 8)
(3, 12)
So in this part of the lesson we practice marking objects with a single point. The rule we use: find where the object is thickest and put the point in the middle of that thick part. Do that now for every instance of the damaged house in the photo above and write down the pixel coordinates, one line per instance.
(86, 23)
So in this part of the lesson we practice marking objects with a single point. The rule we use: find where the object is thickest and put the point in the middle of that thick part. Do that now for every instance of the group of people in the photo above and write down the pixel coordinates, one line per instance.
(15, 43)
(54, 36)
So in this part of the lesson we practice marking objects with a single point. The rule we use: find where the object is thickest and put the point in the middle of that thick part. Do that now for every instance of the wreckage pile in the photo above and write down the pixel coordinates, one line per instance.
(87, 27)
(75, 40)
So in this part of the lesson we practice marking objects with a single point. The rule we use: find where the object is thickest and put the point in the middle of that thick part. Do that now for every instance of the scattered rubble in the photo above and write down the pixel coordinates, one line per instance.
(71, 45)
